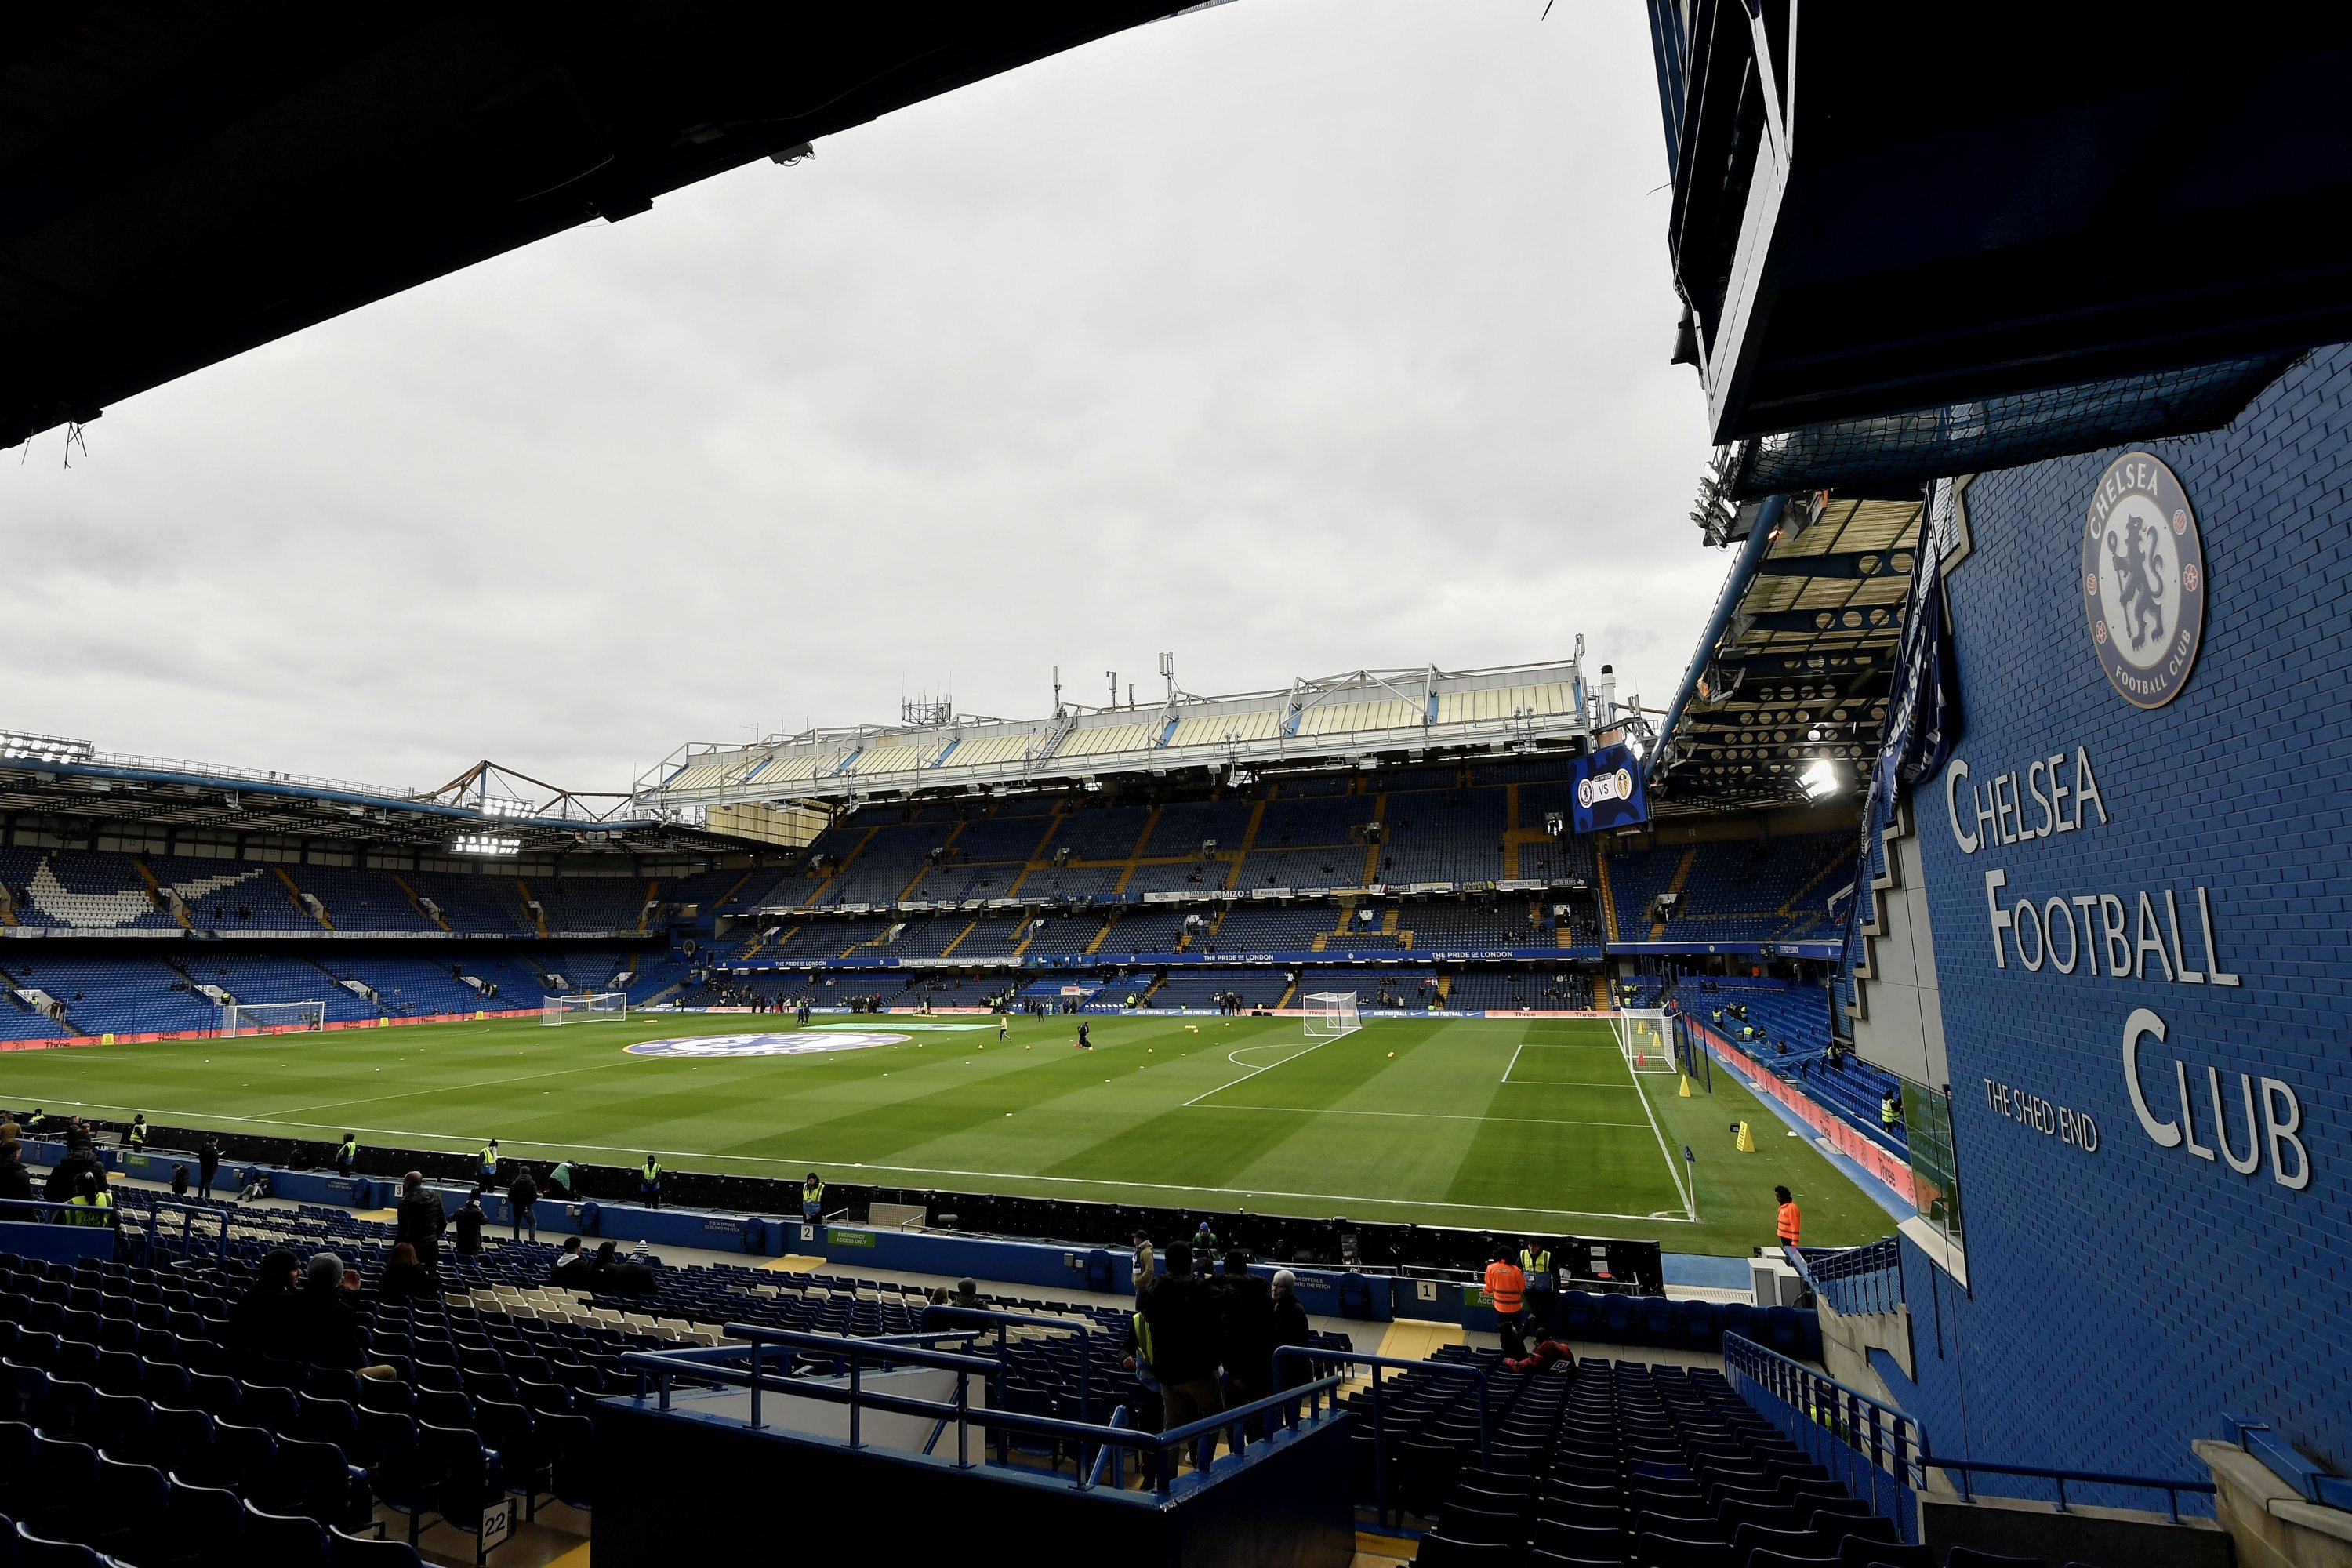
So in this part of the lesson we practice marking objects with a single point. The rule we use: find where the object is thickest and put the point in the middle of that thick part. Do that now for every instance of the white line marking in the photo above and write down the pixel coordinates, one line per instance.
(1513, 1062)
(1422, 1115)
(1564, 1083)
(803, 1162)
(1674, 1173)
(1253, 1071)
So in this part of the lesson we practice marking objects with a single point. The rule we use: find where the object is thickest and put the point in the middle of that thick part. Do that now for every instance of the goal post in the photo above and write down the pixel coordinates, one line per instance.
(581, 1006)
(271, 1017)
(1332, 1014)
(1646, 1034)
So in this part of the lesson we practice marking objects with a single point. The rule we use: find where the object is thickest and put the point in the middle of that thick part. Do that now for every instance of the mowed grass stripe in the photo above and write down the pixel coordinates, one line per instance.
(1430, 1134)
(1514, 1159)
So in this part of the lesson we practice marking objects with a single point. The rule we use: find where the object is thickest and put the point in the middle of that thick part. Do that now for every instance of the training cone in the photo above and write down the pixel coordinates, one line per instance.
(1747, 1139)
(1685, 1090)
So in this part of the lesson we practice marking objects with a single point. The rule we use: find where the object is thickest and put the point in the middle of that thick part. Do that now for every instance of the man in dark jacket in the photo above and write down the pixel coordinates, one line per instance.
(258, 1325)
(469, 1221)
(1290, 1327)
(16, 1182)
(207, 1165)
(1249, 1331)
(323, 1319)
(1182, 1313)
(421, 1219)
(522, 1194)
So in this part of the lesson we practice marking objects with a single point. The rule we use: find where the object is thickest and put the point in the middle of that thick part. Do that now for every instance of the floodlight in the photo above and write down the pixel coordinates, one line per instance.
(483, 844)
(1820, 781)
(17, 746)
(500, 806)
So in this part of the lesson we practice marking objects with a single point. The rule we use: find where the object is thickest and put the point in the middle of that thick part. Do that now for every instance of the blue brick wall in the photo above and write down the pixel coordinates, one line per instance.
(2122, 1299)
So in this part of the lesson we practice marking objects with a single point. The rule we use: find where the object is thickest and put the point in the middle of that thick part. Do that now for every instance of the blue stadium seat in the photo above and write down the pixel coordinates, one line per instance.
(284, 1539)
(41, 1552)
(349, 1551)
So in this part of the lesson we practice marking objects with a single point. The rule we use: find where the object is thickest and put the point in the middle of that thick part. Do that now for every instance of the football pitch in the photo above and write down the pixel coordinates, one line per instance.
(1508, 1124)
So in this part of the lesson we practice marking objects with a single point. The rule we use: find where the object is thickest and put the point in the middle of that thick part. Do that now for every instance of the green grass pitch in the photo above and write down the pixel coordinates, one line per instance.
(1533, 1124)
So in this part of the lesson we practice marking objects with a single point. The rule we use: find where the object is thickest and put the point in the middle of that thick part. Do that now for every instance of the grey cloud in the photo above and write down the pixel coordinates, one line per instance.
(1295, 335)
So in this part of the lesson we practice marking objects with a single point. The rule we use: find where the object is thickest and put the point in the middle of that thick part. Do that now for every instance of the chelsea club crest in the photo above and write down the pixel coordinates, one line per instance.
(2144, 580)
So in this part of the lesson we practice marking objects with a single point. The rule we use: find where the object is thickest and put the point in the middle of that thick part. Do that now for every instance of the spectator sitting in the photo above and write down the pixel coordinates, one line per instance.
(570, 1265)
(1546, 1352)
(323, 1320)
(179, 1180)
(469, 1221)
(258, 1324)
(967, 1295)
(404, 1278)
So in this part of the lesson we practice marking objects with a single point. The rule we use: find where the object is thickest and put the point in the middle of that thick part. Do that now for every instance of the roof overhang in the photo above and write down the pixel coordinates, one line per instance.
(1343, 721)
(179, 183)
(1886, 208)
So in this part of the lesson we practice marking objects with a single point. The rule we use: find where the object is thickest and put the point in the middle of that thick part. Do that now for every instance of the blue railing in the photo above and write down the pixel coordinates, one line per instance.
(45, 1211)
(984, 1318)
(747, 1365)
(1854, 1280)
(1878, 1451)
(1315, 1357)
(1874, 1448)
(2061, 1479)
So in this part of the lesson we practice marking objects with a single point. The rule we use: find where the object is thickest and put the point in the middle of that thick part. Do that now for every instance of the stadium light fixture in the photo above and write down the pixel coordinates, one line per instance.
(1820, 781)
(16, 745)
(483, 844)
(502, 806)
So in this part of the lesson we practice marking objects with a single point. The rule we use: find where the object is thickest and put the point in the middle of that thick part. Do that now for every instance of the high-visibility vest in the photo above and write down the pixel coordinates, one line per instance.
(653, 1171)
(351, 1150)
(1506, 1286)
(489, 1159)
(90, 1203)
(1536, 1267)
(1788, 1219)
(138, 1135)
(1886, 1114)
(812, 1192)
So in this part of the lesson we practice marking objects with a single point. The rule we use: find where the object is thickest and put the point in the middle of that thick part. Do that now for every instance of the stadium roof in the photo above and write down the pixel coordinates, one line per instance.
(55, 777)
(180, 182)
(1334, 722)
(1794, 666)
(1886, 208)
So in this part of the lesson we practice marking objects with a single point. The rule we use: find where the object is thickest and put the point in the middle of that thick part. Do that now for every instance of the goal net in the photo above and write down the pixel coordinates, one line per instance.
(1646, 1036)
(580, 1006)
(1332, 1014)
(271, 1017)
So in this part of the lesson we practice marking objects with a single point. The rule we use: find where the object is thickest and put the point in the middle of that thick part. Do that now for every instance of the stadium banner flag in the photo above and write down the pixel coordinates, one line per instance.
(1610, 791)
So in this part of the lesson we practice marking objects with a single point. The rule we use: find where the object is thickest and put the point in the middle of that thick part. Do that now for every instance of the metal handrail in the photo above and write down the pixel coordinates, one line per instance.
(705, 1364)
(1004, 1321)
(1880, 1433)
(1312, 1355)
(2170, 1488)
(56, 1211)
(1852, 1280)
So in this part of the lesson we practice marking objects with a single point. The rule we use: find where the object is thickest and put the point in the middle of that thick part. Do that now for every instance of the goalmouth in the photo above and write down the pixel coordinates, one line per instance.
(271, 1017)
(1332, 1014)
(581, 1006)
(1646, 1034)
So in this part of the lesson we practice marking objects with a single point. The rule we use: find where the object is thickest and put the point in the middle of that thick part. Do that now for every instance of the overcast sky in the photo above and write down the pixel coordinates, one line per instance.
(1294, 336)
